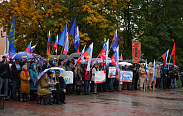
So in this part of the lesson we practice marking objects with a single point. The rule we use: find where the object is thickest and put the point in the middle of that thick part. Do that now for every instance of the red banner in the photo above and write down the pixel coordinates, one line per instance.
(136, 51)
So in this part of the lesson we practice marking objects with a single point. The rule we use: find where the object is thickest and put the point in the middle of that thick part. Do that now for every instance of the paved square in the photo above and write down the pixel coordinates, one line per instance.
(159, 103)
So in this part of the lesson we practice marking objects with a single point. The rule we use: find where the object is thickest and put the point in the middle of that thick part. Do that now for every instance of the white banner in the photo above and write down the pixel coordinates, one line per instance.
(126, 76)
(68, 78)
(112, 72)
(100, 77)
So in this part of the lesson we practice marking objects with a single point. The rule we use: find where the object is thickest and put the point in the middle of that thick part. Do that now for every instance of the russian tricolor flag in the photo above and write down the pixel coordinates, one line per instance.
(115, 35)
(56, 45)
(32, 48)
(165, 57)
(28, 49)
(146, 73)
(49, 45)
(88, 55)
(81, 57)
(154, 72)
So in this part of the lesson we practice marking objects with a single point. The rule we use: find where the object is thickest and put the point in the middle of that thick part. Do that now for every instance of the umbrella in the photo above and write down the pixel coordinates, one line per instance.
(125, 63)
(40, 75)
(130, 61)
(53, 69)
(142, 61)
(62, 57)
(75, 55)
(22, 55)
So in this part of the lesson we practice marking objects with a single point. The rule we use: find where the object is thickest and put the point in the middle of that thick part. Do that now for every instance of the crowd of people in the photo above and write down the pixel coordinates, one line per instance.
(17, 81)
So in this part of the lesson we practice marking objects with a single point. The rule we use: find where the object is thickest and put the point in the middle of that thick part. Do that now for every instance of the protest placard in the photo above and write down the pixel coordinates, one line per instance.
(100, 77)
(126, 76)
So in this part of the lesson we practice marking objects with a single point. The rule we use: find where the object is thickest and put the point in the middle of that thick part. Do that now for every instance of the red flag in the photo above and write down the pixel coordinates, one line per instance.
(136, 51)
(173, 54)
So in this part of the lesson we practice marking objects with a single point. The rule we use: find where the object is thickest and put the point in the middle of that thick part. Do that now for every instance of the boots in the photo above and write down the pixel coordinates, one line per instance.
(150, 88)
(146, 88)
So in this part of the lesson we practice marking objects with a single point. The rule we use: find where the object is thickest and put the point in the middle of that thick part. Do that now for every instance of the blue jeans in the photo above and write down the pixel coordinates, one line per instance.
(111, 84)
(173, 82)
(87, 85)
(4, 81)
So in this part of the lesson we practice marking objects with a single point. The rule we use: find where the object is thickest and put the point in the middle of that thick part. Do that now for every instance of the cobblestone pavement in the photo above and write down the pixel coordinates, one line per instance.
(135, 103)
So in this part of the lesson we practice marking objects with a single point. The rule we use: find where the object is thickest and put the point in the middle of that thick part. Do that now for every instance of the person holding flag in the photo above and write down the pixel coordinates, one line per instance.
(158, 77)
(88, 55)
(142, 76)
(115, 59)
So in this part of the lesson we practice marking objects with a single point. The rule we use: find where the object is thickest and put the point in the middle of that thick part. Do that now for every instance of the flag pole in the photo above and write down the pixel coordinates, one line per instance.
(110, 46)
(60, 55)
(158, 58)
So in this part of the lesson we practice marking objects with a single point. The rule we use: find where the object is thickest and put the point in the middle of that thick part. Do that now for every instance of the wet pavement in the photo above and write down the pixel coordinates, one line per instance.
(125, 103)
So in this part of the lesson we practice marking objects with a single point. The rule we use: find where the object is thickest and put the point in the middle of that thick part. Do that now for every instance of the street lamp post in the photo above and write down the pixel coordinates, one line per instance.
(2, 36)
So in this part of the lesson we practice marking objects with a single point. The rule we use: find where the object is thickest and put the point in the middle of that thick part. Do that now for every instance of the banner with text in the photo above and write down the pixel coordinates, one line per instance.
(100, 77)
(112, 72)
(126, 76)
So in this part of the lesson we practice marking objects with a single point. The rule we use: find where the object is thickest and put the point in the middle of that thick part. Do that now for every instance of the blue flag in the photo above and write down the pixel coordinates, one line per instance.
(73, 28)
(11, 38)
(115, 44)
(76, 40)
(62, 38)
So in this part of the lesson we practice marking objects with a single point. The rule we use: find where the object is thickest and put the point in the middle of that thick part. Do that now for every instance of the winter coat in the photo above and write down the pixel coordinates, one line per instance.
(93, 74)
(33, 74)
(46, 66)
(25, 84)
(61, 85)
(68, 68)
(150, 72)
(42, 87)
(87, 76)
(158, 73)
(52, 84)
(15, 73)
(142, 72)
(4, 70)
(80, 74)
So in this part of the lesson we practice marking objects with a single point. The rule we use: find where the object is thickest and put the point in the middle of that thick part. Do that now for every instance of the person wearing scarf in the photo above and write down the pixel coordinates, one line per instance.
(24, 86)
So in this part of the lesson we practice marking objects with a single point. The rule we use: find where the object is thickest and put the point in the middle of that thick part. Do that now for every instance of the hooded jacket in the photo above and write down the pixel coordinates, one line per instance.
(33, 74)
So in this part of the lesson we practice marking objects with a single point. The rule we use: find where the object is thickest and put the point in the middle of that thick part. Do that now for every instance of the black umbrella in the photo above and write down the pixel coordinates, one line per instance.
(142, 61)
(75, 55)
(62, 57)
